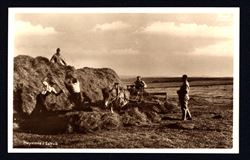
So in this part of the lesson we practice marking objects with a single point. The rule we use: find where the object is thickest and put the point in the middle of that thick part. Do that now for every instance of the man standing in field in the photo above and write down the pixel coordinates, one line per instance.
(183, 98)
(139, 86)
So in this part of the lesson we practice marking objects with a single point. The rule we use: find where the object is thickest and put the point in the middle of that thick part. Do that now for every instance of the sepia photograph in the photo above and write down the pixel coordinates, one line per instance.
(123, 80)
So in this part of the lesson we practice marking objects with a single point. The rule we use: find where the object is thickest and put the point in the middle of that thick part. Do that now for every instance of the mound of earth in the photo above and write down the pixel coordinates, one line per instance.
(29, 73)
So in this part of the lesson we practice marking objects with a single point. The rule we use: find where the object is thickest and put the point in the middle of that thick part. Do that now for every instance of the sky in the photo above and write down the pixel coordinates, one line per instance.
(146, 44)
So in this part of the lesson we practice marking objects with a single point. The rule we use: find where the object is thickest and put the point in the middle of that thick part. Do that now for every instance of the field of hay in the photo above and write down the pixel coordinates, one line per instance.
(211, 106)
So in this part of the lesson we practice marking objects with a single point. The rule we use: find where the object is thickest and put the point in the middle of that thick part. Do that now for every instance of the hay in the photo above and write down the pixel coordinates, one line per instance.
(170, 107)
(111, 121)
(182, 125)
(84, 122)
(153, 117)
(134, 117)
(16, 126)
(29, 73)
(45, 125)
(218, 116)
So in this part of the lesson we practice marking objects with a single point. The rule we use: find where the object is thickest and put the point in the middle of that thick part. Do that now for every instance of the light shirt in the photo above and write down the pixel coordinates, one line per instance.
(76, 87)
(145, 85)
(187, 89)
(47, 88)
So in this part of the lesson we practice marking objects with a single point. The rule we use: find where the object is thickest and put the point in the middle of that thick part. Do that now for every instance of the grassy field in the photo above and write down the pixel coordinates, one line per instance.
(211, 106)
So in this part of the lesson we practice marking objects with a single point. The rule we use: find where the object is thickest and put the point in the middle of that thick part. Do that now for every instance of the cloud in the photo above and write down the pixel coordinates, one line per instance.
(224, 18)
(110, 52)
(26, 28)
(188, 30)
(117, 25)
(126, 51)
(221, 49)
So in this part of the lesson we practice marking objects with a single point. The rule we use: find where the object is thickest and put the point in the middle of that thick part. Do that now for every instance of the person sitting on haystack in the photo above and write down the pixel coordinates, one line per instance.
(140, 85)
(116, 96)
(115, 90)
(41, 106)
(57, 58)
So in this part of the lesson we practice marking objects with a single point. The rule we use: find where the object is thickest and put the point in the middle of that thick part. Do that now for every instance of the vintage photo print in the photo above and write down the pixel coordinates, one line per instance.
(123, 80)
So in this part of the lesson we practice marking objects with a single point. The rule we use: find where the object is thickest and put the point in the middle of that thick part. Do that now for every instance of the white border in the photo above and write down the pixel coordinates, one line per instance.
(232, 10)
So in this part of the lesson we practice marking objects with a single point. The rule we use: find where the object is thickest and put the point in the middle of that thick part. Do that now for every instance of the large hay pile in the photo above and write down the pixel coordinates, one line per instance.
(85, 122)
(28, 75)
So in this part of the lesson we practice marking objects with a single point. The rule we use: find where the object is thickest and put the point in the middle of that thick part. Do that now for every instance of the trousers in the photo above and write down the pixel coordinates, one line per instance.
(184, 109)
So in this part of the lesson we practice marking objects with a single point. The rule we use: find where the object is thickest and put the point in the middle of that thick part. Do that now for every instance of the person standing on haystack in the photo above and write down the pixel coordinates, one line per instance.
(41, 106)
(183, 94)
(73, 86)
(140, 85)
(57, 58)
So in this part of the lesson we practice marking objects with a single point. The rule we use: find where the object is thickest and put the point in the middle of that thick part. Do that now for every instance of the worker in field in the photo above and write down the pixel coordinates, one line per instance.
(48, 86)
(73, 86)
(76, 97)
(116, 97)
(140, 85)
(111, 95)
(183, 94)
(117, 89)
(41, 106)
(57, 58)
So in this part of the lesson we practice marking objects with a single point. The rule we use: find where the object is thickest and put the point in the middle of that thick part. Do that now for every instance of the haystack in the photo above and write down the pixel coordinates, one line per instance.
(29, 73)
(111, 121)
(134, 117)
